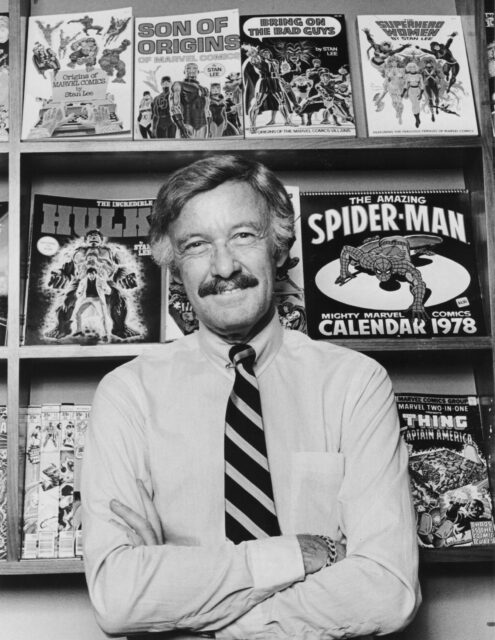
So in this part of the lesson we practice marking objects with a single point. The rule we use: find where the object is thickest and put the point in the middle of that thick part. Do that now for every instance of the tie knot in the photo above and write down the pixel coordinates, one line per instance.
(242, 353)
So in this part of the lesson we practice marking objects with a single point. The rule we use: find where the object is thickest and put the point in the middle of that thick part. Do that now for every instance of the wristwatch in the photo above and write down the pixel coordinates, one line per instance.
(331, 550)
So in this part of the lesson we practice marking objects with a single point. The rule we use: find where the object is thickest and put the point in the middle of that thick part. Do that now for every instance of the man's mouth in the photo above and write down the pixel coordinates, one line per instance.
(219, 286)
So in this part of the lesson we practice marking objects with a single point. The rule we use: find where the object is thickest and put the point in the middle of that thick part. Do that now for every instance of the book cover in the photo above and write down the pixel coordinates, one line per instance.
(31, 483)
(3, 482)
(4, 274)
(4, 77)
(296, 76)
(448, 469)
(187, 76)
(81, 423)
(289, 289)
(78, 79)
(49, 484)
(416, 75)
(91, 277)
(490, 54)
(390, 264)
(66, 487)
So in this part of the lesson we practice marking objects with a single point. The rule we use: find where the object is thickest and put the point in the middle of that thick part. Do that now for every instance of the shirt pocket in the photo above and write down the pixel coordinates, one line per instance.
(315, 481)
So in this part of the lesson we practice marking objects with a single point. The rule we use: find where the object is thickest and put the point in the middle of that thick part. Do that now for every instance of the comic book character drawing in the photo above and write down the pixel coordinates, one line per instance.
(110, 61)
(84, 52)
(390, 259)
(393, 85)
(47, 30)
(379, 52)
(64, 42)
(190, 104)
(163, 125)
(117, 26)
(144, 117)
(45, 59)
(442, 52)
(93, 282)
(87, 25)
(292, 316)
(218, 111)
(413, 89)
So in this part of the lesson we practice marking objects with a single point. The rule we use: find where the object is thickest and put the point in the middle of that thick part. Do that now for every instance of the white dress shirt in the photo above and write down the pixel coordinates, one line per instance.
(338, 468)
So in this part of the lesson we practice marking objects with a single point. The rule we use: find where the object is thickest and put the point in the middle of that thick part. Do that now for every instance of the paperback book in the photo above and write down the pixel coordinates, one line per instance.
(289, 289)
(3, 482)
(448, 469)
(4, 261)
(296, 76)
(187, 76)
(416, 75)
(390, 264)
(78, 79)
(91, 276)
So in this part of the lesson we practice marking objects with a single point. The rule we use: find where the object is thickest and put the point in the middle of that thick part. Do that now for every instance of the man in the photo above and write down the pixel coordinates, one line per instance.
(159, 485)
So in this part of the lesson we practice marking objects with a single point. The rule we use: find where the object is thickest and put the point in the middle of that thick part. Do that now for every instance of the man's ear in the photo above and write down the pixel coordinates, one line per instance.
(175, 272)
(281, 257)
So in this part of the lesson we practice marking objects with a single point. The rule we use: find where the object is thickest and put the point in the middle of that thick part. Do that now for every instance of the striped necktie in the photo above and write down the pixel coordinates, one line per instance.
(249, 506)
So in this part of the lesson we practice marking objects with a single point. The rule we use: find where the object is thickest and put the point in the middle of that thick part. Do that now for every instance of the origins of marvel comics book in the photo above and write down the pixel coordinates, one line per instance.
(448, 469)
(78, 79)
(416, 75)
(4, 259)
(296, 76)
(187, 76)
(3, 482)
(490, 52)
(390, 264)
(289, 289)
(91, 276)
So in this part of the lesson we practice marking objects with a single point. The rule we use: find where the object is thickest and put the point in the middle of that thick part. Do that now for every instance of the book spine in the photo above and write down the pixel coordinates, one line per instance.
(31, 484)
(49, 481)
(3, 482)
(66, 490)
(81, 424)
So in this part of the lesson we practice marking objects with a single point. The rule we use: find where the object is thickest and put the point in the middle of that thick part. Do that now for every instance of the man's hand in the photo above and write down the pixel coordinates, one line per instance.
(140, 530)
(315, 552)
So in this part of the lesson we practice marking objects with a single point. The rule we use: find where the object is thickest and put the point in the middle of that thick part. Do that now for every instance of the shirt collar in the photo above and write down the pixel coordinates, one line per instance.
(266, 343)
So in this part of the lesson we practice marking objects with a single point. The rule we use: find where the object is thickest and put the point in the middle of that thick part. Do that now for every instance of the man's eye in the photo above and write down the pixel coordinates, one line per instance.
(195, 247)
(243, 237)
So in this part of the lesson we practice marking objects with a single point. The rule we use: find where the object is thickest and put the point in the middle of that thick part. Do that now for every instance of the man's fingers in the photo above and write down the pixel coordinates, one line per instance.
(133, 537)
(136, 522)
(151, 512)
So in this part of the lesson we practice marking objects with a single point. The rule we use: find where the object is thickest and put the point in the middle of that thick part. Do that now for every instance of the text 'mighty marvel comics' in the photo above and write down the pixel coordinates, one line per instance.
(416, 76)
(296, 76)
(78, 78)
(187, 76)
(448, 469)
(91, 277)
(390, 264)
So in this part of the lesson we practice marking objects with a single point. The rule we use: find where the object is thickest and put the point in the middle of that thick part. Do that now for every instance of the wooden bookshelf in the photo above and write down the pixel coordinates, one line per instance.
(461, 160)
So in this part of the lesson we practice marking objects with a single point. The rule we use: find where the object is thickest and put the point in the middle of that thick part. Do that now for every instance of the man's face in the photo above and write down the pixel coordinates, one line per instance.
(165, 84)
(93, 239)
(191, 71)
(225, 261)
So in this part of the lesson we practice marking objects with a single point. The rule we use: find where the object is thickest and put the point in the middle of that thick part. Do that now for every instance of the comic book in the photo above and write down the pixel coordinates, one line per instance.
(31, 483)
(490, 53)
(416, 76)
(78, 79)
(49, 483)
(4, 260)
(4, 77)
(81, 424)
(91, 277)
(187, 76)
(296, 76)
(3, 482)
(390, 264)
(66, 487)
(289, 289)
(448, 469)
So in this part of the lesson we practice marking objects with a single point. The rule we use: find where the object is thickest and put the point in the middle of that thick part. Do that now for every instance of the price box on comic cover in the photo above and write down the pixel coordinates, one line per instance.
(390, 264)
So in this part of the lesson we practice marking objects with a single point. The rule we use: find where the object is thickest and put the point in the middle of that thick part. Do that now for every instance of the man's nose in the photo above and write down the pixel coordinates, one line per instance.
(223, 261)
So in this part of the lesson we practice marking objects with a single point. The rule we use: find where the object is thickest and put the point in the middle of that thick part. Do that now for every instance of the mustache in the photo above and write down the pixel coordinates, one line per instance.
(219, 285)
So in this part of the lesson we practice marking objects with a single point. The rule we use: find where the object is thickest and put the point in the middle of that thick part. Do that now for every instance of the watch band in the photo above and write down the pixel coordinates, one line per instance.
(331, 550)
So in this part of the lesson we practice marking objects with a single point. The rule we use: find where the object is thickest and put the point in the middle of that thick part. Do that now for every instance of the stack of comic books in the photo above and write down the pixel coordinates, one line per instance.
(51, 510)
(390, 264)
(91, 276)
(78, 80)
(4, 77)
(416, 75)
(3, 482)
(490, 53)
(296, 76)
(448, 469)
(187, 76)
(180, 318)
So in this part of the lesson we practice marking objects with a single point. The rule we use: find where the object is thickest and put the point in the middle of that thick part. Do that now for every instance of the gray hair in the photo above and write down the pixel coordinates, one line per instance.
(207, 174)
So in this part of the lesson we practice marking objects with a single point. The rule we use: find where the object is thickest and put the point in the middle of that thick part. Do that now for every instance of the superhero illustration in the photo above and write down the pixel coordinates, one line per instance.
(296, 86)
(83, 53)
(44, 59)
(419, 82)
(116, 27)
(87, 24)
(93, 283)
(190, 104)
(111, 62)
(47, 30)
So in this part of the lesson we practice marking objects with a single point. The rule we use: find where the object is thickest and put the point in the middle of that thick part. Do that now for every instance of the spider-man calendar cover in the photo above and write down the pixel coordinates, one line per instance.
(385, 264)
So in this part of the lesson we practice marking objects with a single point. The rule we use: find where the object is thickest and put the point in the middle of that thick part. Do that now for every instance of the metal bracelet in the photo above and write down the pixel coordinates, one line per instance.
(331, 550)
